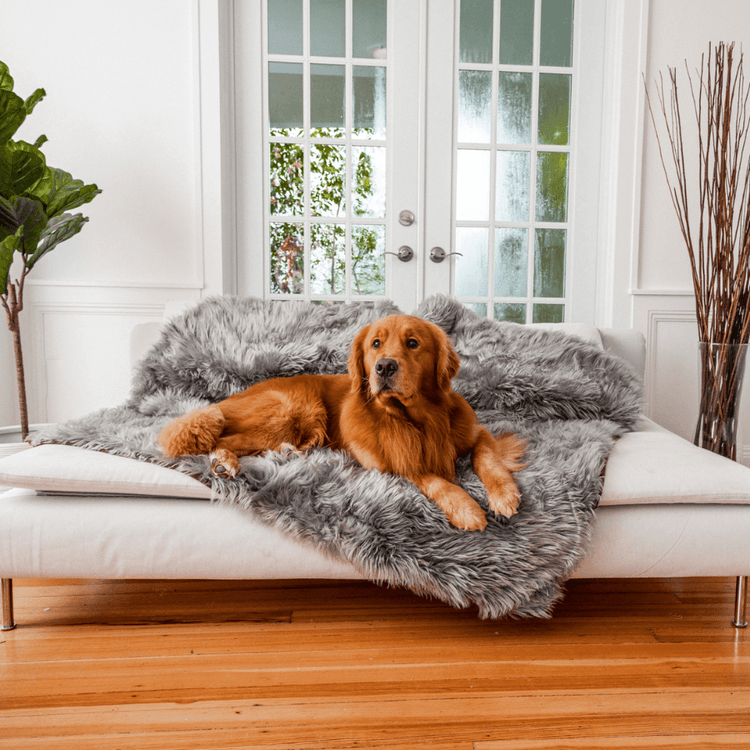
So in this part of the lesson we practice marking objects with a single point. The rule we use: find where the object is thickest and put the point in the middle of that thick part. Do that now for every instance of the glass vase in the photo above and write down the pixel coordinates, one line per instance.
(722, 369)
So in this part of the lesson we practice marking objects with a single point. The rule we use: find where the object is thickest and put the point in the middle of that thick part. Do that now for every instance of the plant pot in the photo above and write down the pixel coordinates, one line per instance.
(10, 439)
(722, 374)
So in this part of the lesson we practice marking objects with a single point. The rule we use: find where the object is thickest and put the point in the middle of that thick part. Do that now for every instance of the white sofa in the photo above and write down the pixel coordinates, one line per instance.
(668, 509)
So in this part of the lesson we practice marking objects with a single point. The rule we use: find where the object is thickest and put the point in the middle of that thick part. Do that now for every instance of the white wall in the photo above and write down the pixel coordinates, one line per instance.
(121, 110)
(663, 306)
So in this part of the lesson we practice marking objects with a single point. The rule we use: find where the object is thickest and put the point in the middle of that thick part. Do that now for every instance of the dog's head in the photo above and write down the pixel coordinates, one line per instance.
(402, 357)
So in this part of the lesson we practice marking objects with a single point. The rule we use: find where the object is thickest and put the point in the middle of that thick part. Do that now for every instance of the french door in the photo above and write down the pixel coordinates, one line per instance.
(399, 148)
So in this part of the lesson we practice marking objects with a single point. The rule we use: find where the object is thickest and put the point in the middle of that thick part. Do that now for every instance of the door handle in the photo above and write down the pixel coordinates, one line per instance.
(405, 253)
(438, 255)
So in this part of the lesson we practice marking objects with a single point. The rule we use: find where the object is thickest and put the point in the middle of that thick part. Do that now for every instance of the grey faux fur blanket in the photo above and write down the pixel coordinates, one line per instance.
(569, 399)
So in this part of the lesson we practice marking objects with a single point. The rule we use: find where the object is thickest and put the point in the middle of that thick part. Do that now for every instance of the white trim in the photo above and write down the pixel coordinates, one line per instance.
(663, 293)
(214, 24)
(626, 50)
(110, 284)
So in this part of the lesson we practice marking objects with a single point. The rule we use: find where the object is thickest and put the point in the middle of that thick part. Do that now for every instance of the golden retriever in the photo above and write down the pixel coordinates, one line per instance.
(394, 411)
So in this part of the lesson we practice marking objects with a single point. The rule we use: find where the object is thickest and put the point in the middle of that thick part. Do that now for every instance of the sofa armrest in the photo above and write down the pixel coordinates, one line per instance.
(628, 344)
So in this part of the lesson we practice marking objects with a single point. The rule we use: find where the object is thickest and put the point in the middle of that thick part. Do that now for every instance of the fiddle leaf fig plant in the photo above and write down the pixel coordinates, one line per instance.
(35, 205)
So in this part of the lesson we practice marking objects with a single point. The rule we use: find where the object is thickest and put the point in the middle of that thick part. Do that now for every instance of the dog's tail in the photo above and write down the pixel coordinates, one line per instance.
(193, 433)
(511, 448)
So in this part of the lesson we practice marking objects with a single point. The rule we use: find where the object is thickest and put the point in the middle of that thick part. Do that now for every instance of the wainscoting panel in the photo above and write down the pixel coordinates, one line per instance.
(83, 357)
(672, 365)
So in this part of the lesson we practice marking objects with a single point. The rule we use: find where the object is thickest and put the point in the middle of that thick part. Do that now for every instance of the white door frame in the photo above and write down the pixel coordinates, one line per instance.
(223, 219)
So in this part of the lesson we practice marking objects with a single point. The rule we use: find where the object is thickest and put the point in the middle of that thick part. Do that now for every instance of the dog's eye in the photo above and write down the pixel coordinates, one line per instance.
(376, 344)
(412, 343)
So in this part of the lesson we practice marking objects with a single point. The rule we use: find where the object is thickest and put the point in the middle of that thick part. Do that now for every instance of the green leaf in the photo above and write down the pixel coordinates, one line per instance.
(60, 192)
(33, 100)
(21, 165)
(7, 218)
(6, 81)
(7, 248)
(12, 114)
(25, 217)
(58, 229)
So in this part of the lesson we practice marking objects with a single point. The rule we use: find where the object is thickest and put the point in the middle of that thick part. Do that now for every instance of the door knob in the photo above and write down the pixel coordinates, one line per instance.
(406, 218)
(438, 255)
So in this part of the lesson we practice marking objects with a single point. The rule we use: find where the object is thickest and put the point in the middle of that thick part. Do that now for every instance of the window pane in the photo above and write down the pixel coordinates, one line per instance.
(327, 259)
(285, 27)
(369, 102)
(475, 44)
(368, 181)
(552, 186)
(327, 180)
(549, 263)
(514, 312)
(327, 99)
(511, 262)
(474, 106)
(285, 98)
(480, 308)
(473, 193)
(554, 109)
(514, 108)
(512, 186)
(327, 28)
(516, 32)
(556, 43)
(368, 261)
(369, 29)
(549, 313)
(287, 179)
(287, 259)
(471, 265)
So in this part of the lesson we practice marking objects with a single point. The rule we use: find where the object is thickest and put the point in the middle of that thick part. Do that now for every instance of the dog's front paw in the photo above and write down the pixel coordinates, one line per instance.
(504, 499)
(224, 464)
(468, 516)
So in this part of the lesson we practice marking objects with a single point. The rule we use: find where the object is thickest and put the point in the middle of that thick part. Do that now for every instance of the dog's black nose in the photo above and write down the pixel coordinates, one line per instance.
(386, 367)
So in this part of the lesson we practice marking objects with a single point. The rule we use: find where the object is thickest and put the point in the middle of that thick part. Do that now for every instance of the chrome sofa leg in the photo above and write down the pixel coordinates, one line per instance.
(6, 584)
(740, 621)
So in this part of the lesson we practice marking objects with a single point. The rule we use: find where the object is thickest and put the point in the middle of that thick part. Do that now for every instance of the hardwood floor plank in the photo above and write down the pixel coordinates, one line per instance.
(479, 719)
(655, 742)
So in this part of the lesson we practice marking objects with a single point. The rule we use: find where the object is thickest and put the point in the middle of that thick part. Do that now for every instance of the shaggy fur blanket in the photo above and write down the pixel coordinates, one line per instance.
(569, 399)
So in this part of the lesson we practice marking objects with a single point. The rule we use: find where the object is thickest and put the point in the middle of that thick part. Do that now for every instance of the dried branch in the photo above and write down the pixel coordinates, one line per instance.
(719, 249)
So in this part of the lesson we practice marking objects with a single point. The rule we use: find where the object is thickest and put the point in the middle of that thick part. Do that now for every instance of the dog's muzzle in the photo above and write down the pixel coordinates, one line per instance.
(385, 371)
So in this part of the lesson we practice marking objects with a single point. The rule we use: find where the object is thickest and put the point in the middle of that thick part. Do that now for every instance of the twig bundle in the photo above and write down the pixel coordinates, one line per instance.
(719, 247)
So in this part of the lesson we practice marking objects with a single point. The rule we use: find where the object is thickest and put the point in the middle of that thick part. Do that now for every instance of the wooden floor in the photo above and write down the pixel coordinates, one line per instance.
(97, 665)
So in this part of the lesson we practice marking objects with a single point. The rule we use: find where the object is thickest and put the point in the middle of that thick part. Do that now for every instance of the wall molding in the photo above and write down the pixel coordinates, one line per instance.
(689, 293)
(654, 320)
(43, 310)
(197, 286)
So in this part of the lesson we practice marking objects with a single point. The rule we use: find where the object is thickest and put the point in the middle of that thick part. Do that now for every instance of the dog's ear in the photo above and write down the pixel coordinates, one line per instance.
(356, 363)
(447, 361)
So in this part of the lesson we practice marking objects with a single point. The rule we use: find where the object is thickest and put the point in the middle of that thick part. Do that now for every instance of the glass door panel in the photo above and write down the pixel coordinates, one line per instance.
(329, 146)
(513, 155)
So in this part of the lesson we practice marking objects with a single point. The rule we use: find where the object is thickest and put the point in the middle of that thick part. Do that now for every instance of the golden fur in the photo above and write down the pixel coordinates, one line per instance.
(394, 411)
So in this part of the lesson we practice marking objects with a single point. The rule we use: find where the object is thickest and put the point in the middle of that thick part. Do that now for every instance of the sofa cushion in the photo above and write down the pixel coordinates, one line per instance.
(655, 466)
(648, 467)
(68, 469)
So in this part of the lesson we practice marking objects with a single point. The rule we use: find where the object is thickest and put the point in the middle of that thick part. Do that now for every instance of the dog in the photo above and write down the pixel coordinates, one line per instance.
(395, 411)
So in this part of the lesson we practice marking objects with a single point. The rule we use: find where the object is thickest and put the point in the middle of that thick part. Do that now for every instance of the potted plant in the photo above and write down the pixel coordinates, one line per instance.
(35, 205)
